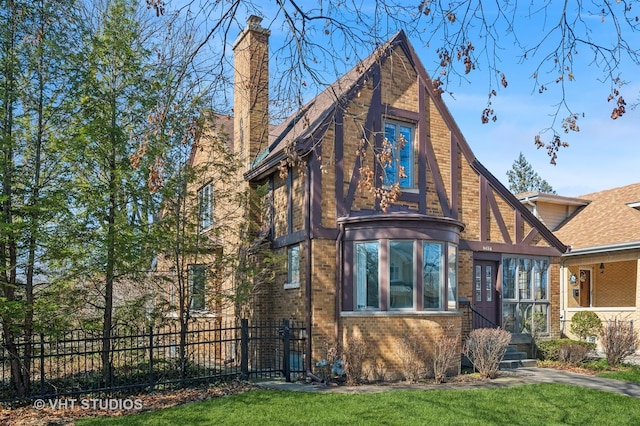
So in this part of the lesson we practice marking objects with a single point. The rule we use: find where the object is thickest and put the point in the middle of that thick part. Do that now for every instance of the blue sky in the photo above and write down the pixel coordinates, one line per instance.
(604, 154)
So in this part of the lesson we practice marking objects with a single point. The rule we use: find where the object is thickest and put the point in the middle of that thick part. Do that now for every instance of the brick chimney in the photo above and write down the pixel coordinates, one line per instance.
(251, 91)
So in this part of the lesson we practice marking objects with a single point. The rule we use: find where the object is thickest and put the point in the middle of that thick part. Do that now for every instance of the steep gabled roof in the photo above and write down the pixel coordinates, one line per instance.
(611, 220)
(306, 127)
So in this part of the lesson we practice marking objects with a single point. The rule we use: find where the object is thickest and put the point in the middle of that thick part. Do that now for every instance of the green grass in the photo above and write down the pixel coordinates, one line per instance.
(546, 404)
(628, 374)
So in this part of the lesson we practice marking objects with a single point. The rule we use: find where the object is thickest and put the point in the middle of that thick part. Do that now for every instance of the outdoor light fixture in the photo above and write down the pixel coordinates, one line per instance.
(601, 268)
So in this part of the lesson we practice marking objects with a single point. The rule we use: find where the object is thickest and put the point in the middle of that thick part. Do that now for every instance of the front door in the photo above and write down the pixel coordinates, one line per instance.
(585, 288)
(485, 296)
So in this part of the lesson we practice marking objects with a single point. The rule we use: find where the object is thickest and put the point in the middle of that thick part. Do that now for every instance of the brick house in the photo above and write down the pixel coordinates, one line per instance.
(600, 272)
(454, 250)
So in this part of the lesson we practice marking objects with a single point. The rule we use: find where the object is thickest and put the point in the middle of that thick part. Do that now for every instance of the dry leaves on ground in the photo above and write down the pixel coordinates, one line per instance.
(30, 416)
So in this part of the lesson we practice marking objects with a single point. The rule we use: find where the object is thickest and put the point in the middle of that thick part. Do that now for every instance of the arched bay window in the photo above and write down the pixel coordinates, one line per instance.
(400, 262)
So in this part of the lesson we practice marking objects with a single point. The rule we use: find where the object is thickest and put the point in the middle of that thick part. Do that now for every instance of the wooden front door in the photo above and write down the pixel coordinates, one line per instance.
(485, 296)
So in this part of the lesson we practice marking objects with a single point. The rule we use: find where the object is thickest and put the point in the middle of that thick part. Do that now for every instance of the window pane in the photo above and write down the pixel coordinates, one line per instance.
(432, 271)
(540, 270)
(541, 318)
(390, 170)
(197, 277)
(293, 270)
(509, 278)
(525, 315)
(489, 283)
(452, 282)
(478, 280)
(367, 288)
(401, 274)
(524, 278)
(509, 317)
(205, 207)
(405, 150)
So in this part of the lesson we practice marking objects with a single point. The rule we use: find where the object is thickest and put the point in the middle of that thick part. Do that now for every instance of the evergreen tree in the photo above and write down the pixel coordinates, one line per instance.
(523, 178)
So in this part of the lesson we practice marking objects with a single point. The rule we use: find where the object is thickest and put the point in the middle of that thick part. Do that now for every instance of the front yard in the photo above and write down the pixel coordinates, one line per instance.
(527, 404)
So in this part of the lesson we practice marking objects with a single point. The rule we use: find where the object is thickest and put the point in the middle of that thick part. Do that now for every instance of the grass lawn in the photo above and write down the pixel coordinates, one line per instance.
(543, 404)
(628, 374)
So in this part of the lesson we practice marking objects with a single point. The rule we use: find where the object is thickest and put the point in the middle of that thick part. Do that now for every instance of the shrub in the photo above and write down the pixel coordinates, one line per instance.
(445, 353)
(618, 340)
(573, 353)
(559, 349)
(585, 324)
(355, 355)
(485, 347)
(412, 356)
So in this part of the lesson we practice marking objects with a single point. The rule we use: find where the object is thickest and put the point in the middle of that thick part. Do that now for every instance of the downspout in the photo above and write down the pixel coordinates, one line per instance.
(336, 325)
(307, 242)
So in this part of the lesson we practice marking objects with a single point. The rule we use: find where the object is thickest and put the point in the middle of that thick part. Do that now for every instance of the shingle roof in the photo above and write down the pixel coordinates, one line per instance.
(607, 220)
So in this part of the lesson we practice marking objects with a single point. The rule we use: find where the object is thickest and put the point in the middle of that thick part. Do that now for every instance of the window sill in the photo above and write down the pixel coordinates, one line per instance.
(399, 313)
(289, 286)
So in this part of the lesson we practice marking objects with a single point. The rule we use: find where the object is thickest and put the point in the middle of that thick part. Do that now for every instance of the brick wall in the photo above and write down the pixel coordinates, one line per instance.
(382, 333)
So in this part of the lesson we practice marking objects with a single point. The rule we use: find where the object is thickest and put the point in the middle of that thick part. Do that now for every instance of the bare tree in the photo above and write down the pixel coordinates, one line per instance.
(318, 41)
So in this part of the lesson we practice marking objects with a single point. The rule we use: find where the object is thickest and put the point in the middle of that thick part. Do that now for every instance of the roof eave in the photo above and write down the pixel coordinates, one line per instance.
(607, 248)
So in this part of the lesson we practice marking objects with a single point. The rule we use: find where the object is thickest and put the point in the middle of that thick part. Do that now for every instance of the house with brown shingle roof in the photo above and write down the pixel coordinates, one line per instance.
(600, 272)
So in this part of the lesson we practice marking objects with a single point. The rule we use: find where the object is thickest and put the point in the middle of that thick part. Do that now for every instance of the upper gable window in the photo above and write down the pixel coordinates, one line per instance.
(400, 136)
(205, 207)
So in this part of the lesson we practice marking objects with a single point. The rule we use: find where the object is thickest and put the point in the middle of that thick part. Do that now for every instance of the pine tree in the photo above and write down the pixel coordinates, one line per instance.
(523, 178)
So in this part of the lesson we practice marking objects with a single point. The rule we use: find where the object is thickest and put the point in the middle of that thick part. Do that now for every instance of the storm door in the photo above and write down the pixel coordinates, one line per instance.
(485, 296)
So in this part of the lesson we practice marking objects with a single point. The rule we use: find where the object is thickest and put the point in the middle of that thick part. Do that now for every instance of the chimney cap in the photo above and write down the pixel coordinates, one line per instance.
(254, 22)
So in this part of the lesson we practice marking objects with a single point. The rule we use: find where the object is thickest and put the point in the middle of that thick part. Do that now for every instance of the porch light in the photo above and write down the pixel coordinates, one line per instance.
(601, 268)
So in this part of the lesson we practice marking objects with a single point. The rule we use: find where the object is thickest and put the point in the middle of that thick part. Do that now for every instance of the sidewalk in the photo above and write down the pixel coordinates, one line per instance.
(520, 376)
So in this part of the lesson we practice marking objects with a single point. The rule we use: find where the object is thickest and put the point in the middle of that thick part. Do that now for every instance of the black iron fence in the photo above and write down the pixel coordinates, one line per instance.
(153, 358)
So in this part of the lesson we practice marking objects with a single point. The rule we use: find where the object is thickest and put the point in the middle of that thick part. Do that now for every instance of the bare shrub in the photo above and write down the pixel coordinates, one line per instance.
(618, 340)
(411, 355)
(485, 347)
(377, 370)
(573, 353)
(355, 355)
(445, 355)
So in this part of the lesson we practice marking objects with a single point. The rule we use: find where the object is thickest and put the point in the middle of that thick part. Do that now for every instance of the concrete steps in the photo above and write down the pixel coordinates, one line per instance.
(513, 358)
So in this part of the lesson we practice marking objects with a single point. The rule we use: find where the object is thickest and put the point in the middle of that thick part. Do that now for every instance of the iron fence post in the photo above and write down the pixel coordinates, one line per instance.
(151, 385)
(41, 364)
(286, 341)
(244, 349)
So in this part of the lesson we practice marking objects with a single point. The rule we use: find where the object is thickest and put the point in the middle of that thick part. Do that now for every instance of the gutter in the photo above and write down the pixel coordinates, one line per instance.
(607, 248)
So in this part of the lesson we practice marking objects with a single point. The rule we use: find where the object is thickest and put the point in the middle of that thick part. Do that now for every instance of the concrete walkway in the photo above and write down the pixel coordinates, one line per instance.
(520, 376)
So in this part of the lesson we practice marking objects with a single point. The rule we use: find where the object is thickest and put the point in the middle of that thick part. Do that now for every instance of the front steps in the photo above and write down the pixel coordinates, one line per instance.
(513, 358)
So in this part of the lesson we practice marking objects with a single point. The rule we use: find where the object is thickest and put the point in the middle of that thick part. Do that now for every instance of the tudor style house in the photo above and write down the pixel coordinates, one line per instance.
(601, 271)
(391, 226)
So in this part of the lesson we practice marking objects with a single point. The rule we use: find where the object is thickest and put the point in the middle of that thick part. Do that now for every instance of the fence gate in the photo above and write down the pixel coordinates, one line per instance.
(273, 349)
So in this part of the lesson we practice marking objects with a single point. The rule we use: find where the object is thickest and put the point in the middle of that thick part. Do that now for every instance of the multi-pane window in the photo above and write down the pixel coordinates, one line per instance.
(197, 278)
(525, 294)
(367, 288)
(417, 275)
(205, 207)
(399, 137)
(293, 267)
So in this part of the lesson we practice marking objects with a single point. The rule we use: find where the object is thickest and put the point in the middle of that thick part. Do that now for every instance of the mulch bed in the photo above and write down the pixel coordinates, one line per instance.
(31, 416)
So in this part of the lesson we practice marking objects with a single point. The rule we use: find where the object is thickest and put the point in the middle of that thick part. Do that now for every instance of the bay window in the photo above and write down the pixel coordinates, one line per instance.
(404, 275)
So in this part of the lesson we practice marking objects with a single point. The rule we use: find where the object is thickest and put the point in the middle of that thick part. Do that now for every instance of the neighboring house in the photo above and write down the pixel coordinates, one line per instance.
(453, 242)
(600, 272)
